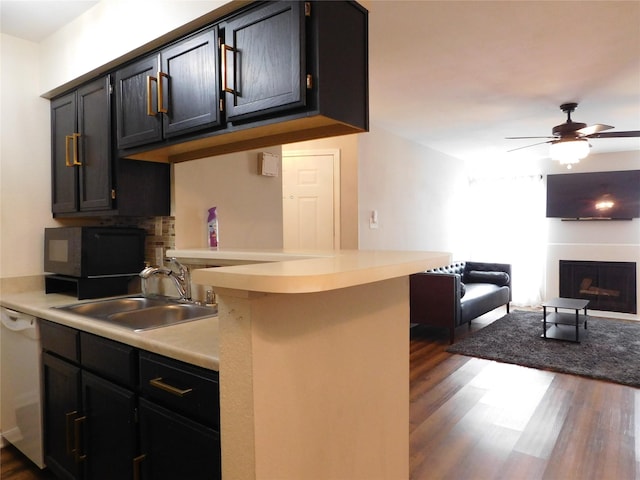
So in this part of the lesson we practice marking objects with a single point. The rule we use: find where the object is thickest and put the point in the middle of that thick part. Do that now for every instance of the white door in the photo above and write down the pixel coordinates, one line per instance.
(310, 199)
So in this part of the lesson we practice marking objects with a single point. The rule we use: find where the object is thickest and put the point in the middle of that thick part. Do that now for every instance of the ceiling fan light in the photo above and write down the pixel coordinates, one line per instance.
(568, 152)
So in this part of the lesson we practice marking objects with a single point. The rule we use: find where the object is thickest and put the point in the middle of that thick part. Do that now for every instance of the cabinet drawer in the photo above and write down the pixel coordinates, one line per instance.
(187, 389)
(113, 360)
(61, 340)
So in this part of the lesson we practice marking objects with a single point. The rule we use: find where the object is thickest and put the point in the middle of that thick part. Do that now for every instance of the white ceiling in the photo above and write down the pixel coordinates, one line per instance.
(36, 20)
(459, 76)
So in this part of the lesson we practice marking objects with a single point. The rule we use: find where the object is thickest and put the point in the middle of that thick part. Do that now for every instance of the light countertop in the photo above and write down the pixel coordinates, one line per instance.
(194, 342)
(269, 271)
(283, 271)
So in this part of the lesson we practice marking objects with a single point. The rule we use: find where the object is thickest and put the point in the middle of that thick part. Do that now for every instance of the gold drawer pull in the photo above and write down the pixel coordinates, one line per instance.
(161, 107)
(136, 466)
(68, 429)
(78, 455)
(75, 137)
(224, 49)
(159, 383)
(150, 111)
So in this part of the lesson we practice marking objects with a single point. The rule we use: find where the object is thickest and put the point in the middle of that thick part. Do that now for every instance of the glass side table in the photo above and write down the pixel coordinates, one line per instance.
(562, 322)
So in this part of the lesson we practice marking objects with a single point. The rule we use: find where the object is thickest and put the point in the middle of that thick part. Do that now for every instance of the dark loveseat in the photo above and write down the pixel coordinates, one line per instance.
(456, 294)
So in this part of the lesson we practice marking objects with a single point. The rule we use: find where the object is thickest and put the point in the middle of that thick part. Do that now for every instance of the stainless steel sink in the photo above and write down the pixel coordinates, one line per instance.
(142, 313)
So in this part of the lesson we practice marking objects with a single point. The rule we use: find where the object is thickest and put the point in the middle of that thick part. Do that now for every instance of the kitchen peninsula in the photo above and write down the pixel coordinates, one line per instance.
(312, 351)
(314, 361)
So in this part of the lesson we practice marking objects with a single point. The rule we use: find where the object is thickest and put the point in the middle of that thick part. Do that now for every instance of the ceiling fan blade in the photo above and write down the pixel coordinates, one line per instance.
(630, 133)
(591, 129)
(523, 138)
(532, 145)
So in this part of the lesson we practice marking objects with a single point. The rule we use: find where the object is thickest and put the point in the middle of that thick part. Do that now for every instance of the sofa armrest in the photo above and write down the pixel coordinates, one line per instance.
(435, 299)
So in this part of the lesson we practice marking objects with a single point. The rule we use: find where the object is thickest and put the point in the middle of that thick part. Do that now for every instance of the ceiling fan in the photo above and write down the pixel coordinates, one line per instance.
(570, 140)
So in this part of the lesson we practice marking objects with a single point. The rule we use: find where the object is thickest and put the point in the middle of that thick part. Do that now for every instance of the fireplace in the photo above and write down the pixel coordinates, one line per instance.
(609, 286)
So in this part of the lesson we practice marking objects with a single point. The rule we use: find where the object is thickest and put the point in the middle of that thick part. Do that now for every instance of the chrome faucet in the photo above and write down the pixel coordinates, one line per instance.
(181, 278)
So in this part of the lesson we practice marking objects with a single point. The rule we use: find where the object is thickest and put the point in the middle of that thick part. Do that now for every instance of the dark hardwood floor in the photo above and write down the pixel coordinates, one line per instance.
(15, 466)
(474, 419)
(477, 419)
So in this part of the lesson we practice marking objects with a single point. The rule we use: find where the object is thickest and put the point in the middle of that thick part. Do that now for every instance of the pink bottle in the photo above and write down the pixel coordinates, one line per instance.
(212, 227)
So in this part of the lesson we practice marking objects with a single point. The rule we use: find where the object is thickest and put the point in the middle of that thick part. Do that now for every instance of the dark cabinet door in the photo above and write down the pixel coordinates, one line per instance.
(176, 447)
(190, 84)
(64, 176)
(61, 403)
(263, 59)
(94, 145)
(81, 149)
(138, 120)
(108, 429)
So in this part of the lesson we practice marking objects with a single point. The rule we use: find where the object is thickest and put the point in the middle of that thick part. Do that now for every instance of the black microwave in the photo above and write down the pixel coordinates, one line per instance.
(93, 252)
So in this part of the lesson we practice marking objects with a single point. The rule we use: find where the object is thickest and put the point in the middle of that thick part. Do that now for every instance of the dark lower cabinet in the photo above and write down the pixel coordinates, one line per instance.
(61, 405)
(174, 446)
(104, 420)
(107, 429)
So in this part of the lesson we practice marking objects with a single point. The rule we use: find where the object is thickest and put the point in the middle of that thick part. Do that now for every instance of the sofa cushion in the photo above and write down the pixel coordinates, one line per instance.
(496, 278)
(463, 289)
(480, 299)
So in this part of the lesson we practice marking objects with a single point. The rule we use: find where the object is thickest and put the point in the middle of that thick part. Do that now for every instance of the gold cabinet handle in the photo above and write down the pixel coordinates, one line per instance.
(69, 441)
(161, 107)
(67, 157)
(77, 424)
(136, 466)
(150, 111)
(75, 138)
(159, 383)
(224, 47)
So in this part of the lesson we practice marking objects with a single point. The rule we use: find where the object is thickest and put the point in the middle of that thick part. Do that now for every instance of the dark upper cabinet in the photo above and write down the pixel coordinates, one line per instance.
(169, 93)
(289, 71)
(267, 74)
(86, 177)
(136, 103)
(263, 60)
(81, 149)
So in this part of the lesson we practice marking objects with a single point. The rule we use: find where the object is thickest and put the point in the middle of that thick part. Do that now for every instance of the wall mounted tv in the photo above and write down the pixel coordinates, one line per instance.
(594, 195)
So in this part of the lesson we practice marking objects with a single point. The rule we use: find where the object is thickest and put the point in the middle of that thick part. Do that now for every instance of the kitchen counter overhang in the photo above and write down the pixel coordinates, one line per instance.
(314, 360)
(304, 271)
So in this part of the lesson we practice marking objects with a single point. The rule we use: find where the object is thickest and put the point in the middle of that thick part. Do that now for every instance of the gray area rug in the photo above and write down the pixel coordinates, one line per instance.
(609, 351)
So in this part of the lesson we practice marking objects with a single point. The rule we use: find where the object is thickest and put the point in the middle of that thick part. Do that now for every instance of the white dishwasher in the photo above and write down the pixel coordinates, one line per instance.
(20, 384)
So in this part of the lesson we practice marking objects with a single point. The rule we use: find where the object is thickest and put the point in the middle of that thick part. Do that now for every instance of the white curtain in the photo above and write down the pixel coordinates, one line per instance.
(508, 226)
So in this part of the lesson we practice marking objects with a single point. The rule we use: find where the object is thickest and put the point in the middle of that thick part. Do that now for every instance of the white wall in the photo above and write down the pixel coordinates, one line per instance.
(419, 194)
(104, 33)
(25, 160)
(249, 205)
(110, 30)
(598, 241)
